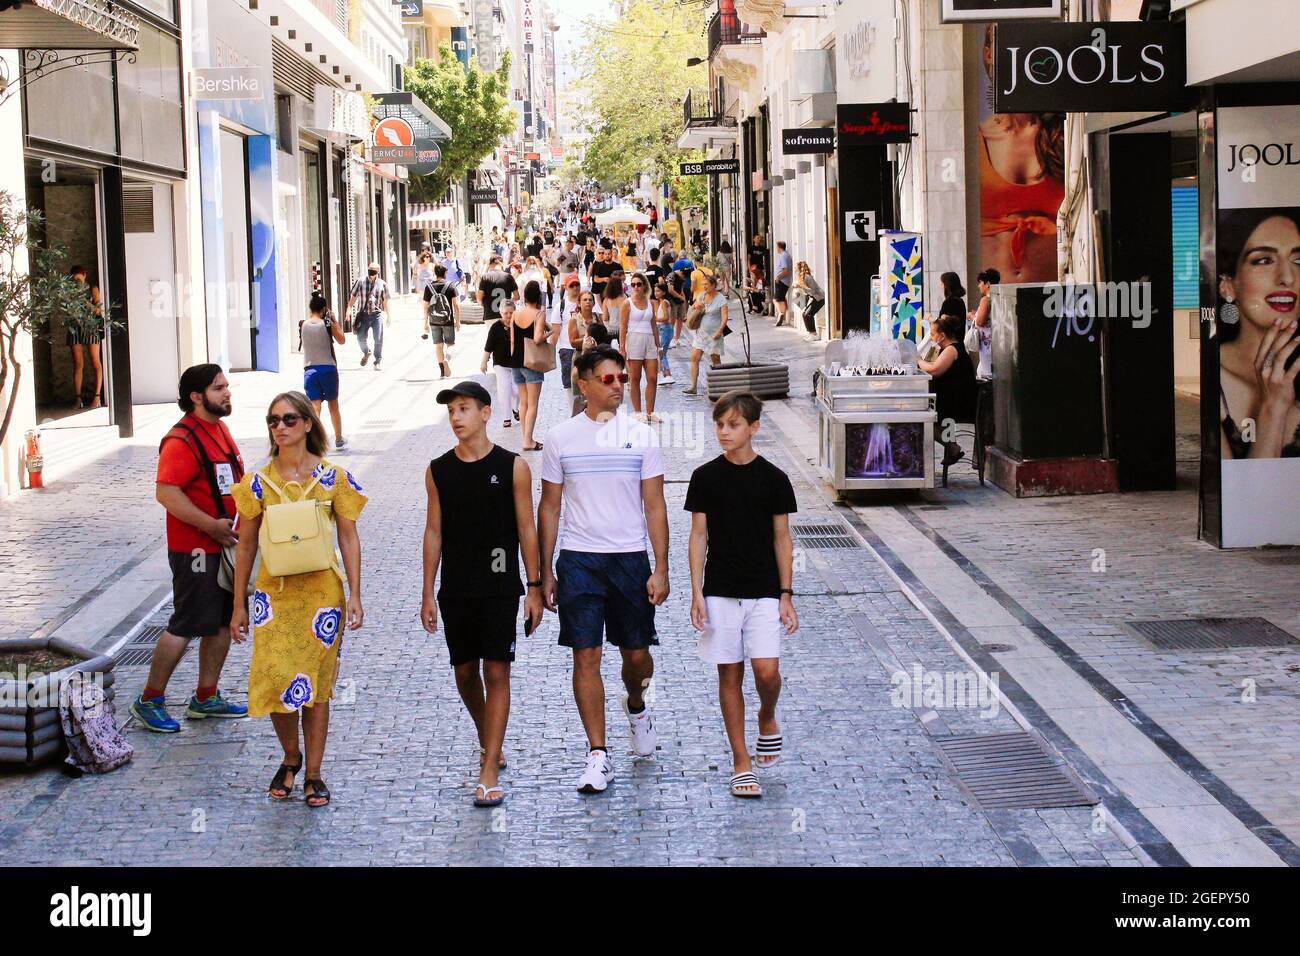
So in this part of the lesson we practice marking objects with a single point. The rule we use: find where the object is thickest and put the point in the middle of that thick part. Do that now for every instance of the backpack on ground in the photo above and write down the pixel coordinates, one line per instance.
(439, 307)
(95, 745)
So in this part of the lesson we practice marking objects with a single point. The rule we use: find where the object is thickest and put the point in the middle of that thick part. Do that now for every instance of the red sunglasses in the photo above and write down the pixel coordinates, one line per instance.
(609, 378)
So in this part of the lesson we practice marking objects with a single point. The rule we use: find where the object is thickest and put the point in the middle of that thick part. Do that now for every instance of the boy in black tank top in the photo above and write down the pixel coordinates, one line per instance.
(480, 518)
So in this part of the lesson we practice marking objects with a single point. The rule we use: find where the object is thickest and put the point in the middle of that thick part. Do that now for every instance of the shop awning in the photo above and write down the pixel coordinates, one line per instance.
(424, 215)
(68, 25)
(408, 106)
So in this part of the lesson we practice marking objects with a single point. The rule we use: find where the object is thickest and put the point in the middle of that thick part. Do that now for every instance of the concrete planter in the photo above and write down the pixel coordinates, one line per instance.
(30, 732)
(765, 381)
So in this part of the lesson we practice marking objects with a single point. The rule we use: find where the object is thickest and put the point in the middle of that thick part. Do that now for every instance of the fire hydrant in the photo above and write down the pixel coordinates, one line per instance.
(33, 459)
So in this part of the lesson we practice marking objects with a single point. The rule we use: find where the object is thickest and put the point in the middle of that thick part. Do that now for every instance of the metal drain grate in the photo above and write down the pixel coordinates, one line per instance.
(131, 656)
(149, 635)
(140, 651)
(824, 536)
(381, 423)
(1278, 558)
(1212, 633)
(1011, 772)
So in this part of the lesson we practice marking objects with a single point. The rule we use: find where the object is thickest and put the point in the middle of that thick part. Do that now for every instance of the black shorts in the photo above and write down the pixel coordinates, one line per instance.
(480, 628)
(779, 291)
(201, 607)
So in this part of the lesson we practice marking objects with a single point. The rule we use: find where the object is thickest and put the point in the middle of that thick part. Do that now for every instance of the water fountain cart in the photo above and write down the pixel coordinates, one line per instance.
(875, 431)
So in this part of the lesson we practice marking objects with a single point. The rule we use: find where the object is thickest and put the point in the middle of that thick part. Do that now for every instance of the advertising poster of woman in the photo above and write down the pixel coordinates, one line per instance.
(1022, 184)
(1257, 324)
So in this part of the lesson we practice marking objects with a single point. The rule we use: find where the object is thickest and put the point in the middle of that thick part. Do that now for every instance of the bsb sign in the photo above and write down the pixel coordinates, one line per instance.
(1090, 67)
(710, 167)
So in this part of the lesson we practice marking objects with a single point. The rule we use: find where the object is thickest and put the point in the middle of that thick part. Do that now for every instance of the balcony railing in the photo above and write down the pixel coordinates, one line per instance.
(726, 29)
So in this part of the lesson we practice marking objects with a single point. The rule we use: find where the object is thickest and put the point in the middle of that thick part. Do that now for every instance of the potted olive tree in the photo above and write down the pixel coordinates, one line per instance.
(32, 672)
(35, 292)
(766, 380)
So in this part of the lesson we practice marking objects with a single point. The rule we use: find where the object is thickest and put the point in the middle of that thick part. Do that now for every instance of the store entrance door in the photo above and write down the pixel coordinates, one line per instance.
(72, 381)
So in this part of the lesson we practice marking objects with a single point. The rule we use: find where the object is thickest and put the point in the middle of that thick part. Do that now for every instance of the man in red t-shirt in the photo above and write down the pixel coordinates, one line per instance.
(198, 466)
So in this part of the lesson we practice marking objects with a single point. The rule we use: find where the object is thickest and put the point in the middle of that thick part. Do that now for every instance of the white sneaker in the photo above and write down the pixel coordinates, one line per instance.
(644, 737)
(667, 380)
(599, 772)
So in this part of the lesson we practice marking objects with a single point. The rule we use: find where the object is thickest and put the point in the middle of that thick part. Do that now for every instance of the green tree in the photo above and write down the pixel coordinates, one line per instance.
(475, 105)
(35, 292)
(633, 86)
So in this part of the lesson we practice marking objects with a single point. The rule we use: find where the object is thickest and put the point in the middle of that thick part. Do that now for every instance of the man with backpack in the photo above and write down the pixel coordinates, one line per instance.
(198, 467)
(455, 273)
(441, 316)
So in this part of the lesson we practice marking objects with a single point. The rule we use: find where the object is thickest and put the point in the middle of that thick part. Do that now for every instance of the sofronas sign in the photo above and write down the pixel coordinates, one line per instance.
(1090, 67)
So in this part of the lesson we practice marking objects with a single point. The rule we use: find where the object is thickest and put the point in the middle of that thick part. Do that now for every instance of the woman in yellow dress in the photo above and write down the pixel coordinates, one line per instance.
(298, 619)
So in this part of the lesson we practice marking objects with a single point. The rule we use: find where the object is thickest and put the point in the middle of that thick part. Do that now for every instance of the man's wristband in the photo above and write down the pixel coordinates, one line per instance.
(535, 584)
(789, 591)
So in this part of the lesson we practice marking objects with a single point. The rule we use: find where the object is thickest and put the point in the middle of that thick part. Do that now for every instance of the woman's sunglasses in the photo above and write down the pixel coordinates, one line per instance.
(610, 378)
(289, 420)
(638, 285)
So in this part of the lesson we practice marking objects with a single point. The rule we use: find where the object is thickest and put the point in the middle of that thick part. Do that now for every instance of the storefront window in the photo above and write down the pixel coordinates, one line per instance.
(166, 9)
(149, 99)
(73, 106)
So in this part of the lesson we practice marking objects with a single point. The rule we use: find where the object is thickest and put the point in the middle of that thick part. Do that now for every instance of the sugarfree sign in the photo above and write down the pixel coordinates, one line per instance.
(1090, 67)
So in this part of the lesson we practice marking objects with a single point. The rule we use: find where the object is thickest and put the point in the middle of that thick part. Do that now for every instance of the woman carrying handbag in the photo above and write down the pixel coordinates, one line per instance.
(534, 348)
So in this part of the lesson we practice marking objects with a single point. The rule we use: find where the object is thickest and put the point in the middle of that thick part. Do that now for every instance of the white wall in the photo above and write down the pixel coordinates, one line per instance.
(151, 303)
(11, 181)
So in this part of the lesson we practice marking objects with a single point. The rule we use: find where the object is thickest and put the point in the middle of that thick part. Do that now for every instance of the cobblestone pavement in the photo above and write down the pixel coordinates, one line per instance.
(863, 781)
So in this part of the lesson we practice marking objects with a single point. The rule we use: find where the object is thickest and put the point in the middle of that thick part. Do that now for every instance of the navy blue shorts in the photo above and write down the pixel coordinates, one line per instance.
(604, 593)
(321, 382)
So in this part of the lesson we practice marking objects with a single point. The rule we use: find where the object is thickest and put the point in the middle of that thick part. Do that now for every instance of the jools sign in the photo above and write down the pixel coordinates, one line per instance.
(1090, 67)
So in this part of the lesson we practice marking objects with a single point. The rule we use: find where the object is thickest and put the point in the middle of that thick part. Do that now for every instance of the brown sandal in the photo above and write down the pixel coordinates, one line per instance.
(277, 782)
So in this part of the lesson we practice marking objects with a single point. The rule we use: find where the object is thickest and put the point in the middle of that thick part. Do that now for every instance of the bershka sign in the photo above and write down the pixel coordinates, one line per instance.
(819, 140)
(239, 83)
(873, 124)
(966, 11)
(710, 167)
(1090, 67)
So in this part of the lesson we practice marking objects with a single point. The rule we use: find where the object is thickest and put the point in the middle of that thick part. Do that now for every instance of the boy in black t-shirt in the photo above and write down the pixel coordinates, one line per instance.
(479, 521)
(741, 599)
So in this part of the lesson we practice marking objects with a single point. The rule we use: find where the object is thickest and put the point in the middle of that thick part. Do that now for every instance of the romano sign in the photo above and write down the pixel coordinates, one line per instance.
(816, 140)
(1090, 67)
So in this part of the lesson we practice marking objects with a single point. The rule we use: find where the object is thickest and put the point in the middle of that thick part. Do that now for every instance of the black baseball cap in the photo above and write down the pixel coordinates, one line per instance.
(466, 390)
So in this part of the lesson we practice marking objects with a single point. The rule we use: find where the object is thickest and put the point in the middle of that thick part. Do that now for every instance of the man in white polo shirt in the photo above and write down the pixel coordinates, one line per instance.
(608, 471)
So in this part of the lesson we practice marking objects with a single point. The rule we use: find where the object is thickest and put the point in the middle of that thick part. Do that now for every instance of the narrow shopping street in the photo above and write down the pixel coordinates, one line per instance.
(1005, 294)
(863, 782)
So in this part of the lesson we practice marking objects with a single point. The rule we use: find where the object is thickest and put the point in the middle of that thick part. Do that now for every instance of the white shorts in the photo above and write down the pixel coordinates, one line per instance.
(641, 346)
(740, 628)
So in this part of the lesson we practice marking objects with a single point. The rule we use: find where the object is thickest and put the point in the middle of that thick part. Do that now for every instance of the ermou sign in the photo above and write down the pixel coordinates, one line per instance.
(1090, 67)
(873, 124)
(816, 140)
